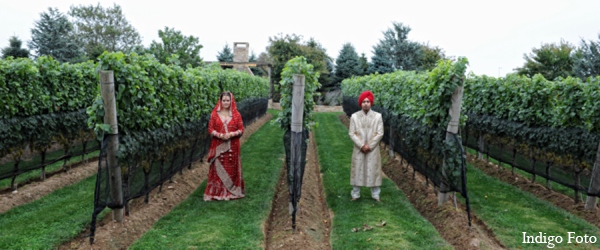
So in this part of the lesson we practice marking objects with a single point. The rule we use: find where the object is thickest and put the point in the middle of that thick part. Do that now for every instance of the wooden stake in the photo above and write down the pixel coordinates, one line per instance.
(296, 140)
(450, 130)
(592, 201)
(107, 84)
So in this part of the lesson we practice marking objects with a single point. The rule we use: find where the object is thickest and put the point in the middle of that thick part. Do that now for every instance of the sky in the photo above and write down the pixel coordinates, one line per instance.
(493, 35)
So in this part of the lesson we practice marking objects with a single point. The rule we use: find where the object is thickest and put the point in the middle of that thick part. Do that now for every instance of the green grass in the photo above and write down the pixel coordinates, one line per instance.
(557, 187)
(236, 224)
(51, 220)
(405, 229)
(509, 212)
(27, 176)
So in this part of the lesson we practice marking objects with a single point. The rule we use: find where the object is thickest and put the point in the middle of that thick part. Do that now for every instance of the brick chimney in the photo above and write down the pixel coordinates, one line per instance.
(240, 54)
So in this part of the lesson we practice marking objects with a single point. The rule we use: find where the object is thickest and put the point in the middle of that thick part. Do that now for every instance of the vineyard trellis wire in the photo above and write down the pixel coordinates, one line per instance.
(163, 113)
(144, 173)
(44, 105)
(546, 128)
(415, 108)
(399, 136)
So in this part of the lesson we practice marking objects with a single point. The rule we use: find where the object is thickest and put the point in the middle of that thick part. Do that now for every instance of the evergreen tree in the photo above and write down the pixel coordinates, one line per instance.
(226, 55)
(348, 64)
(364, 64)
(405, 54)
(14, 49)
(381, 61)
(331, 68)
(587, 59)
(53, 36)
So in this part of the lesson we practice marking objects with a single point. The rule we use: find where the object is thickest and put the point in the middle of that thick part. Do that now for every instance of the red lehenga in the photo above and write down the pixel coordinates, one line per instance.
(225, 180)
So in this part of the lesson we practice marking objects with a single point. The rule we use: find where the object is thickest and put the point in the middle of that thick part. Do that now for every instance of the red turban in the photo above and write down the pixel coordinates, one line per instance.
(367, 94)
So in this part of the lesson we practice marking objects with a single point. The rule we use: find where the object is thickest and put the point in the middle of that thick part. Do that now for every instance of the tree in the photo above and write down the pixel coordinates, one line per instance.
(405, 54)
(316, 55)
(255, 70)
(330, 66)
(14, 49)
(430, 56)
(586, 60)
(101, 29)
(53, 36)
(263, 57)
(381, 61)
(364, 64)
(283, 48)
(173, 42)
(550, 60)
(348, 64)
(226, 55)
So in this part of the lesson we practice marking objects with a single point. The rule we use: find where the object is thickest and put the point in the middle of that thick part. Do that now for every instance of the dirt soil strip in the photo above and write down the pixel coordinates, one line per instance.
(114, 235)
(35, 189)
(557, 199)
(452, 223)
(312, 220)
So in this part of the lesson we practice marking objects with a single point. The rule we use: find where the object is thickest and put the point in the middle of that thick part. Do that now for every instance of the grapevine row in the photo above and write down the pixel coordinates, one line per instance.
(552, 126)
(43, 103)
(415, 108)
(162, 113)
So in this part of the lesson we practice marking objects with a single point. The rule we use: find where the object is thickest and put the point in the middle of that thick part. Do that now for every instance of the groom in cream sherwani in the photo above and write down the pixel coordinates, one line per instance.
(366, 131)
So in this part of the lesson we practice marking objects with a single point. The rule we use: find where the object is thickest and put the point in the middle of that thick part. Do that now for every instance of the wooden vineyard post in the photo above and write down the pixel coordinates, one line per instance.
(450, 131)
(107, 84)
(296, 140)
(592, 201)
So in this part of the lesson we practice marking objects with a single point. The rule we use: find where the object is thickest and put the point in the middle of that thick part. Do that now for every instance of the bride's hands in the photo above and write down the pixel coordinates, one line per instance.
(226, 136)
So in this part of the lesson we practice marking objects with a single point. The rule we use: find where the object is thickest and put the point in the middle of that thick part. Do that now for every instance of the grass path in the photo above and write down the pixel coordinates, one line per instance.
(509, 212)
(51, 220)
(405, 228)
(237, 224)
(556, 187)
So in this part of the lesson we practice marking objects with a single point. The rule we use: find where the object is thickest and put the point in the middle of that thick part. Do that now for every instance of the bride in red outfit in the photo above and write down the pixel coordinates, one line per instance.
(225, 181)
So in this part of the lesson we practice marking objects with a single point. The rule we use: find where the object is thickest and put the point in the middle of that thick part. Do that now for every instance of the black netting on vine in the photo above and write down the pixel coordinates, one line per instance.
(252, 109)
(295, 173)
(528, 149)
(102, 197)
(295, 143)
(34, 142)
(150, 158)
(424, 148)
